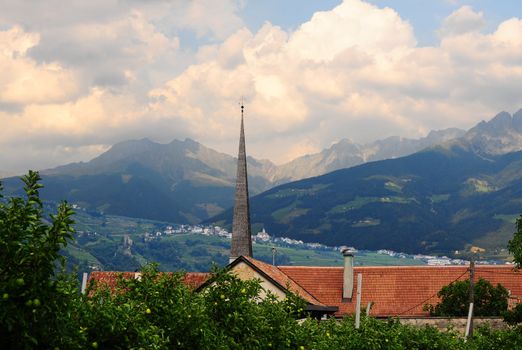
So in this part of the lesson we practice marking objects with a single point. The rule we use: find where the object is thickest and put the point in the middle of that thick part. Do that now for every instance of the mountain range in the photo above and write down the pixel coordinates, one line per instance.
(184, 181)
(437, 200)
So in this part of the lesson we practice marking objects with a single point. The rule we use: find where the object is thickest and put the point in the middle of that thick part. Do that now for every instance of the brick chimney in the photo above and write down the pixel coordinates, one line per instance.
(348, 275)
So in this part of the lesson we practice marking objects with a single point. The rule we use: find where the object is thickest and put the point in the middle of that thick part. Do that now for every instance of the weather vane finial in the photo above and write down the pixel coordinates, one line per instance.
(242, 106)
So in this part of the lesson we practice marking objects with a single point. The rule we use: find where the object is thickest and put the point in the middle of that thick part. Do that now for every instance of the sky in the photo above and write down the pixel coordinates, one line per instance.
(78, 76)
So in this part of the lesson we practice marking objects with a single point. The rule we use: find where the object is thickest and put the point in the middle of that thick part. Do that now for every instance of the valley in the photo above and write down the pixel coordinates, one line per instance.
(449, 191)
(108, 242)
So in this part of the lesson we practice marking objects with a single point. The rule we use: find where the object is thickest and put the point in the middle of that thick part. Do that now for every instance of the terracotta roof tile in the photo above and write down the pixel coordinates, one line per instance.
(195, 279)
(109, 278)
(394, 290)
(397, 290)
(284, 280)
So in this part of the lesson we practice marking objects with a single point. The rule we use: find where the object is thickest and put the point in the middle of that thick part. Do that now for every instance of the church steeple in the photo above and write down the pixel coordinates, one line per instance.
(241, 234)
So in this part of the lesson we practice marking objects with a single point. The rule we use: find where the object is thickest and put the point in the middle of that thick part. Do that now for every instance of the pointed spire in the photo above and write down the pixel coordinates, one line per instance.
(241, 234)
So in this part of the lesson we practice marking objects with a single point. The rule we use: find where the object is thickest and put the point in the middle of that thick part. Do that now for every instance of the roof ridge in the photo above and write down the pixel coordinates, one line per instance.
(254, 261)
(401, 266)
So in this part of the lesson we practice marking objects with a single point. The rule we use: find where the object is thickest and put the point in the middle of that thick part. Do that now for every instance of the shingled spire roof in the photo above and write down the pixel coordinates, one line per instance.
(241, 234)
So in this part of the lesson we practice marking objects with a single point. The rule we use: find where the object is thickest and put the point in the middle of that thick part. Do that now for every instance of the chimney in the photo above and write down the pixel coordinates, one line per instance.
(348, 275)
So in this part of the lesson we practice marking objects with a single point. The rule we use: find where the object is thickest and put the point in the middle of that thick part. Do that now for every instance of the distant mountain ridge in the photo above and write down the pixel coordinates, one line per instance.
(185, 181)
(5, 174)
(182, 181)
(502, 134)
(345, 154)
(176, 161)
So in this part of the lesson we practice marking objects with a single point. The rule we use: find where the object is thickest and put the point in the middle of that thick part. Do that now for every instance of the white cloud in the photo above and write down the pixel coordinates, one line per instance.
(23, 80)
(208, 17)
(352, 25)
(354, 71)
(463, 20)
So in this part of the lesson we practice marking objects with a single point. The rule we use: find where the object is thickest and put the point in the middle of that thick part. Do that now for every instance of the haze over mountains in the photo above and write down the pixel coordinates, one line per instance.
(345, 154)
(184, 181)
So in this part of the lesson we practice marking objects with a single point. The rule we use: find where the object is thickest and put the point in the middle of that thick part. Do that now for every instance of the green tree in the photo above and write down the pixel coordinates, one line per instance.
(37, 299)
(154, 311)
(514, 316)
(454, 299)
(515, 244)
(248, 317)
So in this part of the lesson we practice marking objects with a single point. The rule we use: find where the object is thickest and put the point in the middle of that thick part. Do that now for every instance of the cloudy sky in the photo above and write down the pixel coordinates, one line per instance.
(77, 76)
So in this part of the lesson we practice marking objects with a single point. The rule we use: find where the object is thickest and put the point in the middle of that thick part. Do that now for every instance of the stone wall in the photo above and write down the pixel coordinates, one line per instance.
(456, 323)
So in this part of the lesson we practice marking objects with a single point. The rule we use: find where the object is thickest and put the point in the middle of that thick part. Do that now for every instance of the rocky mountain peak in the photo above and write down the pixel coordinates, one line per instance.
(444, 135)
(495, 126)
(517, 121)
(502, 134)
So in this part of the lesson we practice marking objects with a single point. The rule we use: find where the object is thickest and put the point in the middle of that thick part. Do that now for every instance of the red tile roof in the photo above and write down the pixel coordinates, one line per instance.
(395, 290)
(195, 279)
(283, 280)
(109, 278)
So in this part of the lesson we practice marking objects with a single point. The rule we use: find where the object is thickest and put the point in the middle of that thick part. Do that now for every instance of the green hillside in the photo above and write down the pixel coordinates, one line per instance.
(439, 200)
(102, 241)
(182, 181)
(195, 252)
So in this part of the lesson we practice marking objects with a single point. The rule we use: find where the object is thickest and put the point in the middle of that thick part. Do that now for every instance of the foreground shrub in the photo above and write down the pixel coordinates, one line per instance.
(245, 320)
(513, 316)
(38, 306)
(454, 299)
(487, 339)
(158, 311)
(378, 334)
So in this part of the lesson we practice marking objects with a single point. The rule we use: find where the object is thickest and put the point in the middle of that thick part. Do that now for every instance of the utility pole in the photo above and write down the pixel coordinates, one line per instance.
(84, 282)
(471, 295)
(358, 303)
(274, 251)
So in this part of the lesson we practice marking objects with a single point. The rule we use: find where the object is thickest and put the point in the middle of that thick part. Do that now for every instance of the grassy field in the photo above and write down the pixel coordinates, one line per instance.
(195, 252)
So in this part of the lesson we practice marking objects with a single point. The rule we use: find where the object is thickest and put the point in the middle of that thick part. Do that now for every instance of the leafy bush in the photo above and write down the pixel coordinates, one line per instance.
(488, 339)
(36, 299)
(247, 317)
(154, 311)
(515, 244)
(489, 300)
(377, 334)
(513, 316)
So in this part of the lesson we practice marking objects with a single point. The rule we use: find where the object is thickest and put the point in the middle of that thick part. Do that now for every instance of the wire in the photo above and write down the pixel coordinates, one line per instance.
(424, 301)
(513, 273)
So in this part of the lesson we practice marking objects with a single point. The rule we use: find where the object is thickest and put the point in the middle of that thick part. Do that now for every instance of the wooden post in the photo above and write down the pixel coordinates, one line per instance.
(84, 282)
(358, 305)
(471, 295)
